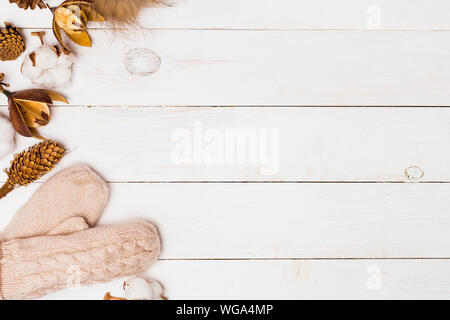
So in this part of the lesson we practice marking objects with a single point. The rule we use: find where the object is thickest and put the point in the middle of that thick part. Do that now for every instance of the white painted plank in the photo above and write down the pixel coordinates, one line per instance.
(208, 68)
(350, 279)
(276, 14)
(297, 144)
(210, 221)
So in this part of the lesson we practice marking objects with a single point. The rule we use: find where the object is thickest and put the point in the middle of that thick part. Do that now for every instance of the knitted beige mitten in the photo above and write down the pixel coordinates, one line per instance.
(70, 201)
(33, 267)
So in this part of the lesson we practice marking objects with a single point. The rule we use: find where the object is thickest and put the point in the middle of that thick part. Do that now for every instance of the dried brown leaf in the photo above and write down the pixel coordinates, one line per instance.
(17, 119)
(55, 96)
(81, 39)
(58, 36)
(33, 95)
(36, 134)
(35, 114)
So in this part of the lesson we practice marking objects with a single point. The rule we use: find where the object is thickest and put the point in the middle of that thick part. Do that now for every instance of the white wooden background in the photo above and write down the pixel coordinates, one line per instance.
(355, 107)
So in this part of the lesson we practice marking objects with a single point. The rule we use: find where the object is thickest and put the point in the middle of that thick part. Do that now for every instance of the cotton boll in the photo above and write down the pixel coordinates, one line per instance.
(44, 79)
(65, 61)
(30, 71)
(48, 67)
(61, 77)
(6, 138)
(139, 289)
(46, 57)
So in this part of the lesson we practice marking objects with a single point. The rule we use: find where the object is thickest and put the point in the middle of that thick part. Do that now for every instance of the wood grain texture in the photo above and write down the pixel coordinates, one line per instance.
(255, 68)
(213, 221)
(303, 144)
(358, 91)
(368, 279)
(276, 14)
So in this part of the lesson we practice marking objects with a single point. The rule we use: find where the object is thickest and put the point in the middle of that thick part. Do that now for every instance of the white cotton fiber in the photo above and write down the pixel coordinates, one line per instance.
(46, 57)
(49, 69)
(139, 289)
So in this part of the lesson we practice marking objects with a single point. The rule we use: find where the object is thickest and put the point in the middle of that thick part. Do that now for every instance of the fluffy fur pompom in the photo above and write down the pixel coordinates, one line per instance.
(122, 12)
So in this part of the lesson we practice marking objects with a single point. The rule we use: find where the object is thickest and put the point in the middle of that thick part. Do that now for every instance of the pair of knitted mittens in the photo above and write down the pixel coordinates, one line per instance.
(53, 236)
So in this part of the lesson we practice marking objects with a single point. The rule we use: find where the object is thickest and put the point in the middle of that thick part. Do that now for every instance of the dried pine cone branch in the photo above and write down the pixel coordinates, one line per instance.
(29, 4)
(32, 164)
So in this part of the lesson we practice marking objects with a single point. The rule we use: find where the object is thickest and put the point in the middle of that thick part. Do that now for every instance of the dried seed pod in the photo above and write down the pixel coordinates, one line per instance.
(72, 17)
(11, 43)
(32, 164)
(29, 109)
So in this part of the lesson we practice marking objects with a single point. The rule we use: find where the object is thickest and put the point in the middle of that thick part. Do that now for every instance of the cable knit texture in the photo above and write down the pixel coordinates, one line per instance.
(33, 267)
(50, 243)
(76, 192)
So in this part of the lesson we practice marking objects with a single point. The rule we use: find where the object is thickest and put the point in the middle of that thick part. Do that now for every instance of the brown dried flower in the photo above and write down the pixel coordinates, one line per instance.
(72, 17)
(29, 109)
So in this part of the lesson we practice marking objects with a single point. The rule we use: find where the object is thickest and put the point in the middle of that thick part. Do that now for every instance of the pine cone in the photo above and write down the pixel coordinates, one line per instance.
(11, 43)
(32, 164)
(25, 4)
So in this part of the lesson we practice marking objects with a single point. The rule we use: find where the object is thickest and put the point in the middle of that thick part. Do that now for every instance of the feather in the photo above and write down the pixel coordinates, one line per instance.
(121, 12)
